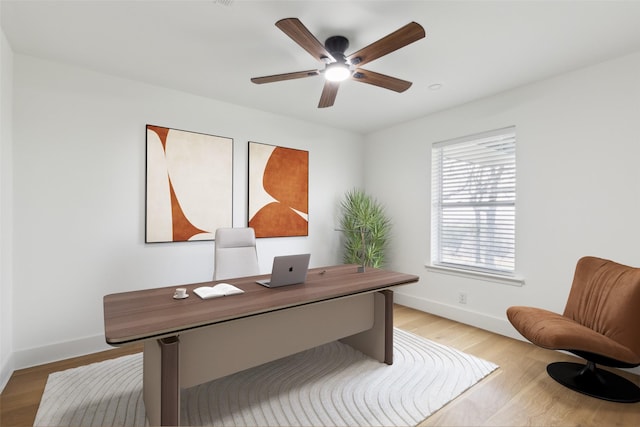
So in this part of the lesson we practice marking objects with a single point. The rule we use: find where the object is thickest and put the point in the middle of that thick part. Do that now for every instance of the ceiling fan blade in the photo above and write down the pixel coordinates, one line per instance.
(301, 35)
(329, 93)
(381, 80)
(394, 41)
(285, 76)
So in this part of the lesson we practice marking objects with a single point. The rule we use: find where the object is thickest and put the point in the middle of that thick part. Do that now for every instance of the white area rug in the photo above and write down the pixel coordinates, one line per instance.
(331, 385)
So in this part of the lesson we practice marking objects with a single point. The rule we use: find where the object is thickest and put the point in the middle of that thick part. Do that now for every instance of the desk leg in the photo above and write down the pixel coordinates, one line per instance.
(170, 381)
(388, 326)
(377, 342)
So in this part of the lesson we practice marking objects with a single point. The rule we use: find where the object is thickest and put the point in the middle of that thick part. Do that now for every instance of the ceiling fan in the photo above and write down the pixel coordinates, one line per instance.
(338, 66)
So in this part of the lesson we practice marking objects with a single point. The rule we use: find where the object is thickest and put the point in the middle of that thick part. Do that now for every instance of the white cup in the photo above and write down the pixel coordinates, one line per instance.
(180, 293)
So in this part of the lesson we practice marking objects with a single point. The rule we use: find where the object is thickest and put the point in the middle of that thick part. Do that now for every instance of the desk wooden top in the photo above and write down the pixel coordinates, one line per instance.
(154, 313)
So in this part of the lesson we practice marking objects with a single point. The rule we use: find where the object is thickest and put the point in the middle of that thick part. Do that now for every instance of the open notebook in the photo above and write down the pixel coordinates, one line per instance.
(219, 290)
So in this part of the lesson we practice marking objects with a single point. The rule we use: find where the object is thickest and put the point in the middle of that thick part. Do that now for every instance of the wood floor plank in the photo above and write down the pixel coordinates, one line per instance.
(518, 393)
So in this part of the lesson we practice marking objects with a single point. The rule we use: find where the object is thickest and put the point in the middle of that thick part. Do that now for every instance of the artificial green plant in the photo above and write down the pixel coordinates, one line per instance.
(366, 229)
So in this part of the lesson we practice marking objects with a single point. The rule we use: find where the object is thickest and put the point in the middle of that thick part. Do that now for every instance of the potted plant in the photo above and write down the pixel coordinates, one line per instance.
(366, 229)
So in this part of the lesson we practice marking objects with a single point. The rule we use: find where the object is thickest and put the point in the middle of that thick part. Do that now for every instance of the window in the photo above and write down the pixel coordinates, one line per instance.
(473, 202)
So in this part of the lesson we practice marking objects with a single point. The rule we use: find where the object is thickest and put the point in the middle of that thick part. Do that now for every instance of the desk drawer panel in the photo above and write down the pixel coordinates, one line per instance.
(221, 349)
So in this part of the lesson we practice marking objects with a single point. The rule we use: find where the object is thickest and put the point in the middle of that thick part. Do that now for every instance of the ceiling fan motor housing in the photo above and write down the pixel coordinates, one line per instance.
(336, 46)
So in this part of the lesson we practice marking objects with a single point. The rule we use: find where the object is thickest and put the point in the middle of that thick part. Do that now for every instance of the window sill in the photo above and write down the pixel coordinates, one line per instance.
(477, 275)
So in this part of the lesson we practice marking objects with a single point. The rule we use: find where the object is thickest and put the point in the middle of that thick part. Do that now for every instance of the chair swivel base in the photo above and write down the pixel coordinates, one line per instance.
(594, 382)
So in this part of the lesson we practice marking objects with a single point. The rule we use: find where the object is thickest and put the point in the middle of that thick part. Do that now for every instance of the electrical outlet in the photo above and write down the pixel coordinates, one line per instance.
(462, 297)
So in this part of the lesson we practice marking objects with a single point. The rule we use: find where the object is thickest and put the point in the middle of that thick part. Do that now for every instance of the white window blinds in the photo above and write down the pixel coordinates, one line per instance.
(473, 195)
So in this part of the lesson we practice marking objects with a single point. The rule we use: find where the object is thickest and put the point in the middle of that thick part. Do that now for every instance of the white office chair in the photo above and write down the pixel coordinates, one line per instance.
(235, 253)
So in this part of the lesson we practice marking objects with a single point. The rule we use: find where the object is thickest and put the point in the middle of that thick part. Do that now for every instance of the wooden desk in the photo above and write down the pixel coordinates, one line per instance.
(192, 341)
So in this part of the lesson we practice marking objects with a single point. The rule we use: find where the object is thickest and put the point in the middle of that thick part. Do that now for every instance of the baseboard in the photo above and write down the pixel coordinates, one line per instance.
(59, 351)
(480, 320)
(466, 316)
(6, 371)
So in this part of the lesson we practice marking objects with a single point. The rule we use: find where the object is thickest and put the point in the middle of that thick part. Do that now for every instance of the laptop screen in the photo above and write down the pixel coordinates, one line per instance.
(288, 270)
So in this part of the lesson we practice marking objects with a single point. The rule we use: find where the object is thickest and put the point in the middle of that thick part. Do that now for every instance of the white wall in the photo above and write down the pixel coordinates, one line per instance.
(79, 162)
(578, 188)
(6, 208)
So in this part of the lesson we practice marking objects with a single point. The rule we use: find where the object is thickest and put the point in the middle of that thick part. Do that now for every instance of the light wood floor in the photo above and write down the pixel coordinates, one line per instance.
(519, 393)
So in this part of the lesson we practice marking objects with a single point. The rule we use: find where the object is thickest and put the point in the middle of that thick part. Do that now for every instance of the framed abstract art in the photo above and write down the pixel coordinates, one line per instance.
(278, 191)
(189, 185)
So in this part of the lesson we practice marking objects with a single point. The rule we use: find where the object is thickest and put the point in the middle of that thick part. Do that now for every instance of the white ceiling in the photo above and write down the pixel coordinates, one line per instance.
(212, 48)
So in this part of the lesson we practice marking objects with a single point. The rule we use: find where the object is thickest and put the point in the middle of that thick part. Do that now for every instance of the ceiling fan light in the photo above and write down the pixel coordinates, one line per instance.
(337, 72)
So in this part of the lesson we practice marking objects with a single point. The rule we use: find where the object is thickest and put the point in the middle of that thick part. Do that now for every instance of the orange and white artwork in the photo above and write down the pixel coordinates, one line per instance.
(189, 185)
(278, 191)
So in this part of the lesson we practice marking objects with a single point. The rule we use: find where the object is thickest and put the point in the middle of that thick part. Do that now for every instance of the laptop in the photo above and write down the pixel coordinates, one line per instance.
(287, 270)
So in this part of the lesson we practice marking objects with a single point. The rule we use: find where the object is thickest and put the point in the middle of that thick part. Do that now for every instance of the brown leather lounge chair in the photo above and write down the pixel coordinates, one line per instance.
(601, 323)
